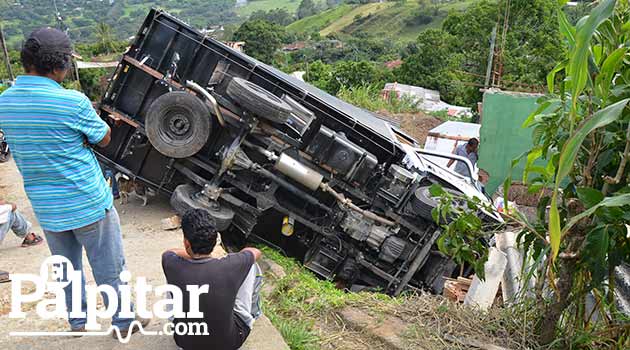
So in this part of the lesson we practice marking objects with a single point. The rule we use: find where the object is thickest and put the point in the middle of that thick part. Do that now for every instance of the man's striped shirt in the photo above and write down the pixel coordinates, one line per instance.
(46, 127)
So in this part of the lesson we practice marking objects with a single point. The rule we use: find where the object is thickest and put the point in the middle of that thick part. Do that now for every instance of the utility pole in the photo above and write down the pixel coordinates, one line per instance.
(493, 39)
(497, 73)
(6, 54)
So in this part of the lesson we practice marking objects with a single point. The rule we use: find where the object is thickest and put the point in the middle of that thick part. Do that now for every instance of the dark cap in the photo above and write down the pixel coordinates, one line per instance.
(51, 40)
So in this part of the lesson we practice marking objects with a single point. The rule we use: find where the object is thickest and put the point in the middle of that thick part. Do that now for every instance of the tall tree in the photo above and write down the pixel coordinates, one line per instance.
(306, 8)
(105, 37)
(262, 38)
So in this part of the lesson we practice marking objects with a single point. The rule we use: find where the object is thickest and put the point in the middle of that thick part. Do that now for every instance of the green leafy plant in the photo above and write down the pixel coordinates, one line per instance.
(581, 135)
(465, 236)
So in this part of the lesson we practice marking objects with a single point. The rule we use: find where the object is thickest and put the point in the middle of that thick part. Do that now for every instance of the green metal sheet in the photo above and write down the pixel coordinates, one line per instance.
(502, 138)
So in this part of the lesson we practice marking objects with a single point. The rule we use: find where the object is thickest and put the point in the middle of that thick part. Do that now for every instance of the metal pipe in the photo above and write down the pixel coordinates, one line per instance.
(347, 202)
(290, 187)
(299, 172)
(311, 179)
(196, 87)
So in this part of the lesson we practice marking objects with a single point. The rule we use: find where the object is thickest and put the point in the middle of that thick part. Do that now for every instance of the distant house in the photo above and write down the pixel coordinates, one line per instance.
(415, 92)
(236, 45)
(393, 64)
(426, 99)
(298, 45)
(299, 75)
(212, 30)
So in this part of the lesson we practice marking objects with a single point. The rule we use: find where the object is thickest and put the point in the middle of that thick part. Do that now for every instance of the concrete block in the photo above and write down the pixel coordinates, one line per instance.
(512, 281)
(482, 293)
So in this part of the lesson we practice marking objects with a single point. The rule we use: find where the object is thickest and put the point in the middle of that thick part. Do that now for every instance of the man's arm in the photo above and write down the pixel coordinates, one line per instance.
(90, 124)
(451, 161)
(106, 139)
(257, 253)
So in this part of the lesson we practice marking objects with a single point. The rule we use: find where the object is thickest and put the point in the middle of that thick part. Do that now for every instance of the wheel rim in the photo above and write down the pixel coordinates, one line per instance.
(175, 127)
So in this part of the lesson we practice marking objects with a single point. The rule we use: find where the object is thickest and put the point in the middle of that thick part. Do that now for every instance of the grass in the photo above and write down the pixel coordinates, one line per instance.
(368, 97)
(319, 21)
(349, 17)
(305, 309)
(300, 301)
(266, 5)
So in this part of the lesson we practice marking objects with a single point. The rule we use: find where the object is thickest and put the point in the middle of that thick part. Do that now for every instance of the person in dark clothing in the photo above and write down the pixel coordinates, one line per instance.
(231, 304)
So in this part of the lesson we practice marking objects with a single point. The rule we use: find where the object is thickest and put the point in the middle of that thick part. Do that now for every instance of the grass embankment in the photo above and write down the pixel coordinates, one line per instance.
(266, 5)
(349, 17)
(306, 310)
(319, 21)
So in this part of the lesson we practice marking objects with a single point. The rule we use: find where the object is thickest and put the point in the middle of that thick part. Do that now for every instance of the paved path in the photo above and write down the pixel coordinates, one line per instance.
(144, 242)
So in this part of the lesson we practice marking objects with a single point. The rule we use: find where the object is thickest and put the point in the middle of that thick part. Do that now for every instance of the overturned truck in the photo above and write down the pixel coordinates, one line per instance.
(277, 161)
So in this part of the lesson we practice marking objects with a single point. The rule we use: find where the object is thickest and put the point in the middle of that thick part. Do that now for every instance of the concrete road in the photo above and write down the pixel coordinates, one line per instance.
(144, 242)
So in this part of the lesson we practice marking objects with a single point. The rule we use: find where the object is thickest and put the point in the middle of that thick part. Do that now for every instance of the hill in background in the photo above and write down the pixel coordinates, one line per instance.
(81, 17)
(398, 21)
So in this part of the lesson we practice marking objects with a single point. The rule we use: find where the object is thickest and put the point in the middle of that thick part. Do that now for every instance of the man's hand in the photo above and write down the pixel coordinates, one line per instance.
(257, 253)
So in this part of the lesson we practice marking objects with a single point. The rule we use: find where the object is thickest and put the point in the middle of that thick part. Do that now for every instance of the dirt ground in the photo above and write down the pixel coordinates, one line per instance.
(144, 242)
(416, 125)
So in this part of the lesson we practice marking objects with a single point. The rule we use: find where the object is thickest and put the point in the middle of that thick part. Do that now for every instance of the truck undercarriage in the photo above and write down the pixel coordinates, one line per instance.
(275, 160)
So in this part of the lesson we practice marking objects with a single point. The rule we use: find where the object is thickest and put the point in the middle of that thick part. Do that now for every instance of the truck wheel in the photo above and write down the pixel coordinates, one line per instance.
(258, 100)
(178, 124)
(182, 200)
(423, 202)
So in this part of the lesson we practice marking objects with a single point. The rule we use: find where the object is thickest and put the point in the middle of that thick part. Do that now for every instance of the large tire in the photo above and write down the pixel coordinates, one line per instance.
(258, 101)
(178, 124)
(182, 200)
(423, 202)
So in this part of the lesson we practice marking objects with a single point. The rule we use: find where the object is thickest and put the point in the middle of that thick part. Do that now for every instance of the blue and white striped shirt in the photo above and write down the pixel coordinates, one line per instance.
(46, 127)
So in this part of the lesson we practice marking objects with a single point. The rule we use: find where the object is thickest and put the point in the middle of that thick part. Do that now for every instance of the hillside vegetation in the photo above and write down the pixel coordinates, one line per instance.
(319, 21)
(356, 13)
(266, 5)
(397, 21)
(81, 17)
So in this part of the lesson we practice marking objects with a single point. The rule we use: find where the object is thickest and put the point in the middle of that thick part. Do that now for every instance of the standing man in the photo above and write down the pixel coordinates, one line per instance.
(48, 129)
(467, 150)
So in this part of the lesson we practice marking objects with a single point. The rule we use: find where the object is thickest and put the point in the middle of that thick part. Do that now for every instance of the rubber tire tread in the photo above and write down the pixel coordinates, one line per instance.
(258, 101)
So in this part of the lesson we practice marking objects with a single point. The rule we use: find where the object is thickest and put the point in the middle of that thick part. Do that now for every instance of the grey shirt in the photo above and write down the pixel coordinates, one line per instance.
(460, 167)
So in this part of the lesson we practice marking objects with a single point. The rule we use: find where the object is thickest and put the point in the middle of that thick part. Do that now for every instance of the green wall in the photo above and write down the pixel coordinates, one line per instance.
(501, 137)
